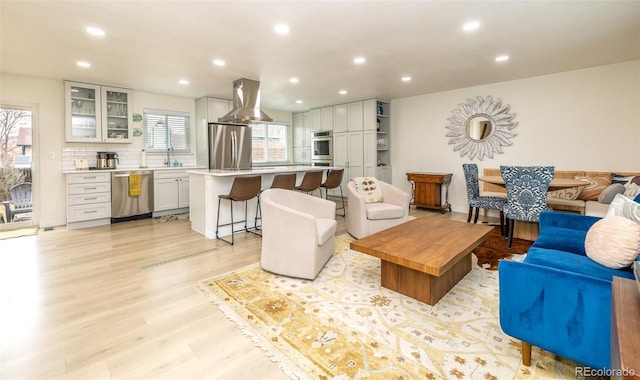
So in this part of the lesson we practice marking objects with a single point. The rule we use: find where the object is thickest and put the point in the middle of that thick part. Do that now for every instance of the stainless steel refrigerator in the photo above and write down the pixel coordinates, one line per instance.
(229, 146)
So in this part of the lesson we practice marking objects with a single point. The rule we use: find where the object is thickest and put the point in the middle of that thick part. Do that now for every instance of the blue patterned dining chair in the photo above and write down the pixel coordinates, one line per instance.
(527, 188)
(477, 201)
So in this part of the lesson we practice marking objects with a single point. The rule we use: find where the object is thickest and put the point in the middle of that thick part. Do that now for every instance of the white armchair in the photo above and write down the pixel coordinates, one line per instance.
(364, 219)
(298, 233)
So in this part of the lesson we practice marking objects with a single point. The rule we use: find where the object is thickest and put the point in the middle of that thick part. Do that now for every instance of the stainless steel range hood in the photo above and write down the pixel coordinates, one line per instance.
(246, 103)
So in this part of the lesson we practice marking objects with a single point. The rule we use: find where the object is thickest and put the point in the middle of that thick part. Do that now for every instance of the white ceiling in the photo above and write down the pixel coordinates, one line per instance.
(150, 45)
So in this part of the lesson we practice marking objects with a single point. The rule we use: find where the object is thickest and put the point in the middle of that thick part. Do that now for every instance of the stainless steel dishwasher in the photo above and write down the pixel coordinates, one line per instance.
(125, 205)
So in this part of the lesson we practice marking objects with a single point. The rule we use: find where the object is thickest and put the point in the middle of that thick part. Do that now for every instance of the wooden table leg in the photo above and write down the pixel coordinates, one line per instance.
(526, 353)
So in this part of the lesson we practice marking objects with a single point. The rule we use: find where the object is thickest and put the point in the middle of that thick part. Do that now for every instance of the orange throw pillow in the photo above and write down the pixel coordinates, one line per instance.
(591, 191)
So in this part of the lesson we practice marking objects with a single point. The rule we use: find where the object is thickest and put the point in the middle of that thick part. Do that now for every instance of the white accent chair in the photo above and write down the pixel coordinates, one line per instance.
(298, 233)
(364, 219)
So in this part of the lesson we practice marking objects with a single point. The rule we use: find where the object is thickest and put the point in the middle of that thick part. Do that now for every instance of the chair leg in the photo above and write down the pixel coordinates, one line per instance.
(231, 224)
(258, 215)
(511, 223)
(502, 229)
(218, 218)
(470, 214)
(245, 215)
(255, 223)
(475, 218)
(526, 353)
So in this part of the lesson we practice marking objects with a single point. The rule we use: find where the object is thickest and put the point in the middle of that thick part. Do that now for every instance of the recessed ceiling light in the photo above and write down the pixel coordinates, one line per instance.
(406, 79)
(293, 80)
(183, 81)
(281, 28)
(83, 64)
(359, 60)
(218, 62)
(471, 25)
(299, 101)
(502, 58)
(343, 92)
(95, 31)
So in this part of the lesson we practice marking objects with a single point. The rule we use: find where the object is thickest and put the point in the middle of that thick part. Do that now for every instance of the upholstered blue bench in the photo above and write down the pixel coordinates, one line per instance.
(559, 299)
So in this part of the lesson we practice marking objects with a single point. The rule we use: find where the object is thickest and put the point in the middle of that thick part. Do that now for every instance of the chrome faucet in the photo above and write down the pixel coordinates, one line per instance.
(170, 151)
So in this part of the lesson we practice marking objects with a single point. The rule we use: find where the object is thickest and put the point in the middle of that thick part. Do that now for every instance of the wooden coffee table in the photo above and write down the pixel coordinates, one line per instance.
(424, 258)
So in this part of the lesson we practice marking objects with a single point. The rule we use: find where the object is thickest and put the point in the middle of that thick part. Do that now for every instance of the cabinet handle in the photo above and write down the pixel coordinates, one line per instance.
(90, 188)
(94, 177)
(91, 199)
(91, 212)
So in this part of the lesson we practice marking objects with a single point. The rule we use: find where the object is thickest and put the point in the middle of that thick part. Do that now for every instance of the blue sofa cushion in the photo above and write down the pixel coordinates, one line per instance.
(562, 239)
(574, 263)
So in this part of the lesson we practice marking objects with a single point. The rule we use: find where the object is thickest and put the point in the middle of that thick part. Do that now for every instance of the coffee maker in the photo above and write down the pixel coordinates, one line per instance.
(106, 160)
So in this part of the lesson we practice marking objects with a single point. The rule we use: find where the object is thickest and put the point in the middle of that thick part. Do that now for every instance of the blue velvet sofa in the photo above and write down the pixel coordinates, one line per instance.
(559, 299)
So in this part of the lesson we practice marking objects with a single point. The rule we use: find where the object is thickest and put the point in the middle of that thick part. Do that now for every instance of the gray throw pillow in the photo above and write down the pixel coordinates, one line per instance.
(607, 195)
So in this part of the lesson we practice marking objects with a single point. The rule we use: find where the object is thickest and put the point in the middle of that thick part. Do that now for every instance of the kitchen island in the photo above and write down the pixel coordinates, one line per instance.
(206, 185)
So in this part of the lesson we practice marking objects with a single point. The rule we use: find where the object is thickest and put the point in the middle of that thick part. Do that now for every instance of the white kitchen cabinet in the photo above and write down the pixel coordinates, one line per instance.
(217, 108)
(170, 192)
(340, 118)
(348, 153)
(302, 137)
(96, 113)
(355, 115)
(302, 155)
(88, 199)
(327, 118)
(322, 119)
(348, 117)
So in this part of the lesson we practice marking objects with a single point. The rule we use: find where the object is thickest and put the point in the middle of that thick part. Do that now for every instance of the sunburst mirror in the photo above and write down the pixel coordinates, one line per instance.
(481, 127)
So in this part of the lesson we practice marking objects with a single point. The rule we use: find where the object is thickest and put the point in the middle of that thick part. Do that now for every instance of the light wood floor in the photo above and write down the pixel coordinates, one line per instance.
(120, 302)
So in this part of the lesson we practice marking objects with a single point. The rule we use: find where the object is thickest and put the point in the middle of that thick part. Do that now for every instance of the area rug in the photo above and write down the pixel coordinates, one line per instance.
(171, 217)
(19, 233)
(344, 325)
(494, 249)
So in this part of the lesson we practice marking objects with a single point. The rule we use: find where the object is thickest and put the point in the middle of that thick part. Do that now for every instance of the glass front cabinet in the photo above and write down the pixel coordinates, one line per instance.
(97, 113)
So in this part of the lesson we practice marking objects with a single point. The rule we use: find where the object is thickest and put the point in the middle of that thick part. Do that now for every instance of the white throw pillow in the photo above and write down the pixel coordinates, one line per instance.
(613, 241)
(368, 189)
(623, 206)
(632, 190)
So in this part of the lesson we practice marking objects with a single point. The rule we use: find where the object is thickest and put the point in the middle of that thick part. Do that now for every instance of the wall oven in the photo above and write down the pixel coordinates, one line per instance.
(322, 163)
(321, 146)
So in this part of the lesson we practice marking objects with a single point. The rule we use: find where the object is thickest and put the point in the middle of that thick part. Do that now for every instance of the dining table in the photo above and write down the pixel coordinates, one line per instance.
(556, 183)
(530, 230)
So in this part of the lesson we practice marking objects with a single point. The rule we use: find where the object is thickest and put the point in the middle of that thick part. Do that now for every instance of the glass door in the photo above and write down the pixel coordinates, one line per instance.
(83, 112)
(16, 176)
(116, 118)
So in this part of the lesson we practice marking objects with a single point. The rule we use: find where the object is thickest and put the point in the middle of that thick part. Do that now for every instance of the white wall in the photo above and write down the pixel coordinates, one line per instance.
(580, 120)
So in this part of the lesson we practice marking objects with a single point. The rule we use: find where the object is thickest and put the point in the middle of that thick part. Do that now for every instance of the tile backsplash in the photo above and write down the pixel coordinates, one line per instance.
(127, 158)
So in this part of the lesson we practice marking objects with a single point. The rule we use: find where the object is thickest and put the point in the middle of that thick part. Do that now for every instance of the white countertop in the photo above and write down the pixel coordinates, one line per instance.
(258, 170)
(158, 168)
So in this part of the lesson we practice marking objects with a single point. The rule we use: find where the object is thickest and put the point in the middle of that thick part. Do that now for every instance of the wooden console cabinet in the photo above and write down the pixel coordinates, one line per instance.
(426, 190)
(625, 339)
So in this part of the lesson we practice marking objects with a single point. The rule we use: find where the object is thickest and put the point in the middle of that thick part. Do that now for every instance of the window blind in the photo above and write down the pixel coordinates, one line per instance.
(166, 129)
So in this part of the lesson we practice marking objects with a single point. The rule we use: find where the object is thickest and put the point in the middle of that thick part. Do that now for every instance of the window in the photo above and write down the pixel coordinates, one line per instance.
(270, 142)
(166, 129)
